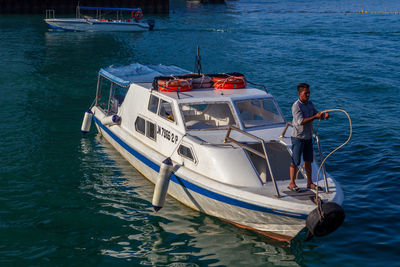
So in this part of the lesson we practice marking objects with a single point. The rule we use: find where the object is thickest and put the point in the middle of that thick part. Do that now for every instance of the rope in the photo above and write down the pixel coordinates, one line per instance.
(336, 149)
(178, 144)
(92, 105)
(321, 213)
(333, 151)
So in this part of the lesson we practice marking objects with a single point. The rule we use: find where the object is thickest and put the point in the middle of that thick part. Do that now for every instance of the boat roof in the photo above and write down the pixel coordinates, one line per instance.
(109, 8)
(138, 73)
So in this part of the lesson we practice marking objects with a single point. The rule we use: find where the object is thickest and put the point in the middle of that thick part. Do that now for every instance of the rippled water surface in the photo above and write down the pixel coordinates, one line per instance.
(72, 200)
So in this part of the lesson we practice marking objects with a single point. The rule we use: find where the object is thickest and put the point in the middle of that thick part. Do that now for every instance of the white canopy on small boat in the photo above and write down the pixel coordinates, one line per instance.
(109, 8)
(138, 73)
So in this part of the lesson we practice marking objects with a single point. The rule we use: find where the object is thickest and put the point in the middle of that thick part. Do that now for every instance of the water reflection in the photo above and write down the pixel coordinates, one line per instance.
(176, 234)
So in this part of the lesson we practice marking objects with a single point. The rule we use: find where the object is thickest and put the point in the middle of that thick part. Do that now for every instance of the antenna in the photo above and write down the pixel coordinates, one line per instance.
(197, 63)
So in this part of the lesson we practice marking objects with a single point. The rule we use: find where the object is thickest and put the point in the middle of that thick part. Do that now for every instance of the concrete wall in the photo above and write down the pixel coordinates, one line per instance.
(68, 6)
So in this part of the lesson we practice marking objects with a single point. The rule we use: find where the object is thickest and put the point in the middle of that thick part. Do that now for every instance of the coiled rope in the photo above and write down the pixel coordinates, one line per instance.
(333, 151)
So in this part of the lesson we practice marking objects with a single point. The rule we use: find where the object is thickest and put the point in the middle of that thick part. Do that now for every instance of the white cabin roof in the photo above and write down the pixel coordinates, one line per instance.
(138, 73)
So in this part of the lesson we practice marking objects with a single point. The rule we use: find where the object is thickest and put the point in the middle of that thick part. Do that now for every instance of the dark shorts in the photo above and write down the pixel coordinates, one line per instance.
(301, 146)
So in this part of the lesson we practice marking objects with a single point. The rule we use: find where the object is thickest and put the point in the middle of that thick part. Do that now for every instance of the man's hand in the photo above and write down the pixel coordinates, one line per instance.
(325, 115)
(318, 116)
(321, 116)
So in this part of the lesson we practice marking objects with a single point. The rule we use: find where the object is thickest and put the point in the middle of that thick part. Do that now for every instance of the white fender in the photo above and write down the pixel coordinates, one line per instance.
(161, 188)
(87, 121)
(111, 120)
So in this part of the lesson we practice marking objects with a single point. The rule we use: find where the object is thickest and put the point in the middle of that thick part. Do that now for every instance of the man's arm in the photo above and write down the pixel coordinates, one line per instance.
(318, 116)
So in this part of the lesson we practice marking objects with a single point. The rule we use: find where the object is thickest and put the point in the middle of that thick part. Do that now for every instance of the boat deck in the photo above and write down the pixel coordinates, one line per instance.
(303, 197)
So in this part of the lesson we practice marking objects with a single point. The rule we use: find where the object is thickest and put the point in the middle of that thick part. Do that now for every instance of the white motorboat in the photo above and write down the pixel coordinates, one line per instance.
(102, 21)
(214, 144)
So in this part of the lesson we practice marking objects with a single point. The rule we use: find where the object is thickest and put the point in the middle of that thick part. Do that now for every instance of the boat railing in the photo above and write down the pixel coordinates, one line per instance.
(319, 152)
(285, 129)
(50, 14)
(263, 155)
(323, 166)
(203, 142)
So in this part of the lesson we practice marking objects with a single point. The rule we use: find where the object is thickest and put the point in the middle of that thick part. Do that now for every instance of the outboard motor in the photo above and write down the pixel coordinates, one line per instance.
(325, 219)
(161, 188)
(87, 121)
(151, 23)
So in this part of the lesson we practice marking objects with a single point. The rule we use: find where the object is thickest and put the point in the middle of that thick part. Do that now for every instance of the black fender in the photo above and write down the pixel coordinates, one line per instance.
(332, 219)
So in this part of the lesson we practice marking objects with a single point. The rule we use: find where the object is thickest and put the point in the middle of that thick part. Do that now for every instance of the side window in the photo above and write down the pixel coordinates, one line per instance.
(166, 110)
(186, 152)
(151, 130)
(153, 104)
(140, 125)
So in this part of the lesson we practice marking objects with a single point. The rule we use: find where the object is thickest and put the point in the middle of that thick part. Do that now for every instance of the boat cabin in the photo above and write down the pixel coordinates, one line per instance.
(188, 125)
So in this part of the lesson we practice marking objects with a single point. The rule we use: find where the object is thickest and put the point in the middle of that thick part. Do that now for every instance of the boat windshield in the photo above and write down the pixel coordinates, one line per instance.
(259, 112)
(207, 116)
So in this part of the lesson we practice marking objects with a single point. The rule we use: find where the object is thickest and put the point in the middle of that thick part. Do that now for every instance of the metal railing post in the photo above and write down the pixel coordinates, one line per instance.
(262, 155)
(270, 169)
(323, 167)
(286, 127)
(109, 98)
(97, 89)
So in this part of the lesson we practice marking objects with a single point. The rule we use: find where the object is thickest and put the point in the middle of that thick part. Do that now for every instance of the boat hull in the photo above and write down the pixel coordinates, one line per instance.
(267, 221)
(95, 25)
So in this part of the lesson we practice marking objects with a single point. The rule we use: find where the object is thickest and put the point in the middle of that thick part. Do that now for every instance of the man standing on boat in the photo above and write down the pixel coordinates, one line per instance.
(304, 113)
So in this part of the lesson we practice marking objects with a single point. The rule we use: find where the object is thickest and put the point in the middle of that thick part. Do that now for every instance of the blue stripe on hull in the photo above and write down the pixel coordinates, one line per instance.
(59, 28)
(195, 188)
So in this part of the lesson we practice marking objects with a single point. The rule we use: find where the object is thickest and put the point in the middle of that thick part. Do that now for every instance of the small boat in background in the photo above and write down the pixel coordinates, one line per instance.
(102, 21)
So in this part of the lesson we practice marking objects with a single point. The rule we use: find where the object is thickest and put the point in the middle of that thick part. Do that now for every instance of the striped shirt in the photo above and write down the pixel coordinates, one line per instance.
(300, 111)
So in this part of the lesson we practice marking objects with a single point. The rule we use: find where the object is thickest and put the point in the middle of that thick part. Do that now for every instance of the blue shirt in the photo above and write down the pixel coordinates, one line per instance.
(301, 111)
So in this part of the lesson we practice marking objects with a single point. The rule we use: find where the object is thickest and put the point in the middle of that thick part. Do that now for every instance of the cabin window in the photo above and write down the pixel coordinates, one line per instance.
(207, 116)
(259, 112)
(153, 103)
(166, 110)
(150, 130)
(140, 125)
(110, 95)
(186, 152)
(119, 94)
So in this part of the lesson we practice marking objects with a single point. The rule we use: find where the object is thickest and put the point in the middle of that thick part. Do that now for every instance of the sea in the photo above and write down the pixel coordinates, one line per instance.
(68, 199)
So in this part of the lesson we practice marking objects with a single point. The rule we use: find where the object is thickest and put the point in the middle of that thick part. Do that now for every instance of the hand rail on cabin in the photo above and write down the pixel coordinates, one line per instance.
(262, 155)
(284, 130)
(260, 85)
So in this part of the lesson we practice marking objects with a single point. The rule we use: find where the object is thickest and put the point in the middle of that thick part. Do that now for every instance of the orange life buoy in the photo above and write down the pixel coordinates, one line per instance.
(229, 81)
(174, 85)
(137, 15)
(198, 80)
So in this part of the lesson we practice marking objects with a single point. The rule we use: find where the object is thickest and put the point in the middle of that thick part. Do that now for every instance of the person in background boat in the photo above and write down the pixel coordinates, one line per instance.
(304, 113)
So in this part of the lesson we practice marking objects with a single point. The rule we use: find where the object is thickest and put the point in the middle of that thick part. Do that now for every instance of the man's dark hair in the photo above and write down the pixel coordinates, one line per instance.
(302, 86)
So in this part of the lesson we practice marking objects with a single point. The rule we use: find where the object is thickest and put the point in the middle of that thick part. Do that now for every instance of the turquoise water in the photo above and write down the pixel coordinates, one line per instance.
(69, 200)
